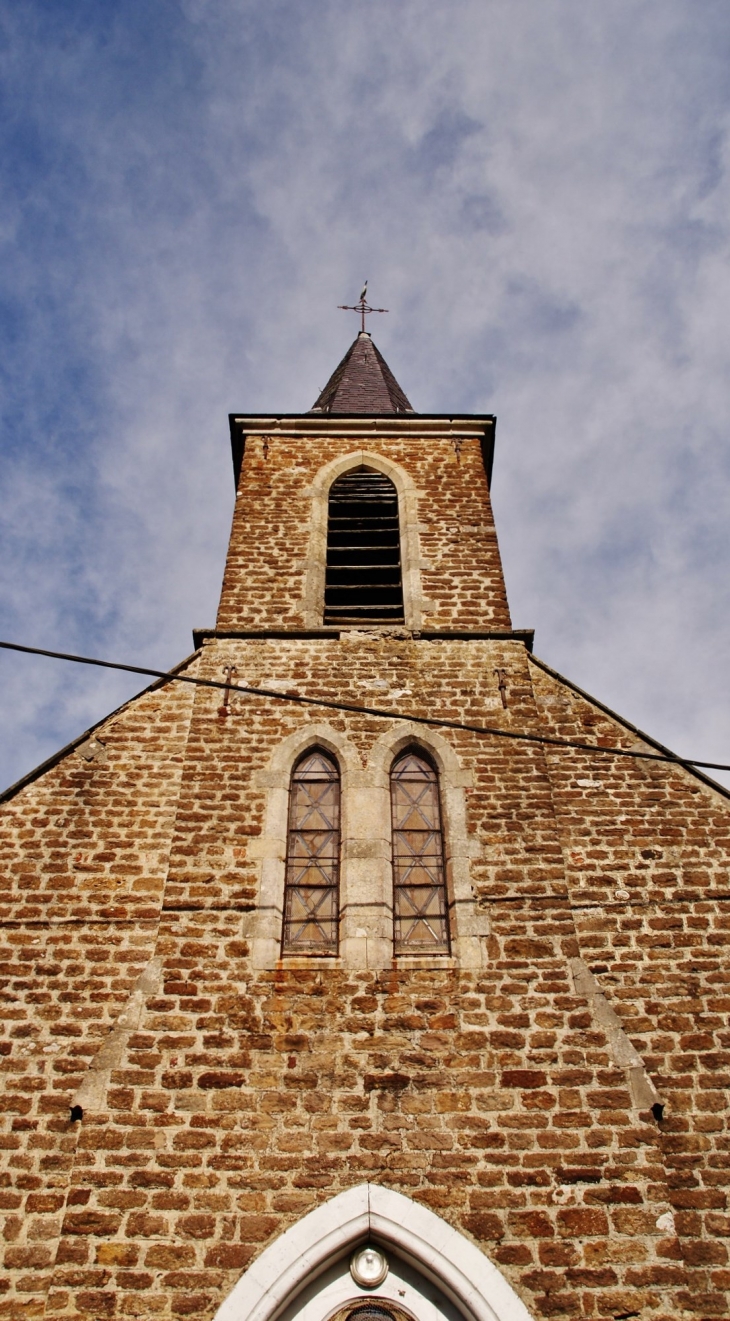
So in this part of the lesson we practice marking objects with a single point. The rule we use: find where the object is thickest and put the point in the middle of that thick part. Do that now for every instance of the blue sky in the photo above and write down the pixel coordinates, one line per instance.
(540, 192)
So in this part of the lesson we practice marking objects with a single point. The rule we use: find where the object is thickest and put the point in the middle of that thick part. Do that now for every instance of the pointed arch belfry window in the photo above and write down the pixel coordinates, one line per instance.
(311, 898)
(363, 582)
(419, 882)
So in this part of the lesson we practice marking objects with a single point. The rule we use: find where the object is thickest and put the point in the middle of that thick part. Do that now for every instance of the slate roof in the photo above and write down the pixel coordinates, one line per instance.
(363, 383)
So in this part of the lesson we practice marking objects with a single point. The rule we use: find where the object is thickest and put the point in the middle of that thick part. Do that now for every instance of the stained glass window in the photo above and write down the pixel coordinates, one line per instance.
(421, 923)
(313, 857)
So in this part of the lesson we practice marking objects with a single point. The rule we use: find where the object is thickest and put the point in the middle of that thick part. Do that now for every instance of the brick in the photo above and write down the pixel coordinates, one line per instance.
(91, 1222)
(581, 1222)
(523, 1078)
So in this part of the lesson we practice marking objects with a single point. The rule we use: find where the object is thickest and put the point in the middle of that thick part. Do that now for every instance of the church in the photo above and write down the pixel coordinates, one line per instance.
(365, 968)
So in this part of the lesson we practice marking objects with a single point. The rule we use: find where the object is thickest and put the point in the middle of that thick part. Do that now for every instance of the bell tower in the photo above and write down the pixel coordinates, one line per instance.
(363, 512)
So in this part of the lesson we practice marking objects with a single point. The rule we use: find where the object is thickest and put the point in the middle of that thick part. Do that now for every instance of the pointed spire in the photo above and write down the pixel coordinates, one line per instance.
(363, 383)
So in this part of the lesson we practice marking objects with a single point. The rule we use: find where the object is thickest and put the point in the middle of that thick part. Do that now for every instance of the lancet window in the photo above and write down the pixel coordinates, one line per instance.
(311, 899)
(363, 581)
(419, 881)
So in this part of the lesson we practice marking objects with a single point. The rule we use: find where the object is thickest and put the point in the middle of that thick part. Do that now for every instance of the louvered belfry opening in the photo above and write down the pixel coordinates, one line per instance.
(363, 583)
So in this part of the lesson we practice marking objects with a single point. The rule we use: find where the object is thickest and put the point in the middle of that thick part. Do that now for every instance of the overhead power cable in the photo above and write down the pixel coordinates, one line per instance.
(379, 712)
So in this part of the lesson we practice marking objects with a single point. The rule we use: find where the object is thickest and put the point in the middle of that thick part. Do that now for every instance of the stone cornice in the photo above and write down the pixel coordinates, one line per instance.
(431, 426)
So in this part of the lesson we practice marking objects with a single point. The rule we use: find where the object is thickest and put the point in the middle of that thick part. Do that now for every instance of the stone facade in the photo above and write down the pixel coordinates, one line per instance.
(555, 1088)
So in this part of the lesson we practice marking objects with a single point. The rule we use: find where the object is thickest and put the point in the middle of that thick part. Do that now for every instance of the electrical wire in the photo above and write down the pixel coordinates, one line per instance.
(378, 712)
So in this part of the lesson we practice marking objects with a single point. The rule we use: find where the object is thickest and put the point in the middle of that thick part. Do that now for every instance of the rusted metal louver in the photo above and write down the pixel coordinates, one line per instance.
(363, 582)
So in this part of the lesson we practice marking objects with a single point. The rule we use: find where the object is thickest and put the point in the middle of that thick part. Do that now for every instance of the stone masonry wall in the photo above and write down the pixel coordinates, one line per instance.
(230, 1101)
(265, 579)
(84, 854)
(647, 853)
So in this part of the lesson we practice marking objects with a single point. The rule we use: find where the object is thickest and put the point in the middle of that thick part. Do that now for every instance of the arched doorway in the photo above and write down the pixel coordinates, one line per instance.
(433, 1272)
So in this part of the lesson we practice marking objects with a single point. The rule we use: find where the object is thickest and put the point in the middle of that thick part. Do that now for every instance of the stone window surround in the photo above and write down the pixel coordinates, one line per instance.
(370, 1212)
(366, 875)
(411, 565)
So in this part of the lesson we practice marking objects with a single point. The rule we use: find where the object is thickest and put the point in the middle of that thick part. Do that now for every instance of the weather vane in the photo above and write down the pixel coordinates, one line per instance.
(363, 307)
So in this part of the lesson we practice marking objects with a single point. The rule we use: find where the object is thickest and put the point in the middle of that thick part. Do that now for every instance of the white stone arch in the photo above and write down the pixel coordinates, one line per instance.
(421, 1238)
(270, 847)
(468, 925)
(409, 540)
(407, 732)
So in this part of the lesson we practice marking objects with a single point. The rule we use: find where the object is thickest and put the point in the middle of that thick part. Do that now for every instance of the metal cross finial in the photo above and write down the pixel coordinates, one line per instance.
(363, 307)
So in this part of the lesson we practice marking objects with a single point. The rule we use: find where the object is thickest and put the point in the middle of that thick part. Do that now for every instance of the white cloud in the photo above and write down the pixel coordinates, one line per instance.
(539, 192)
